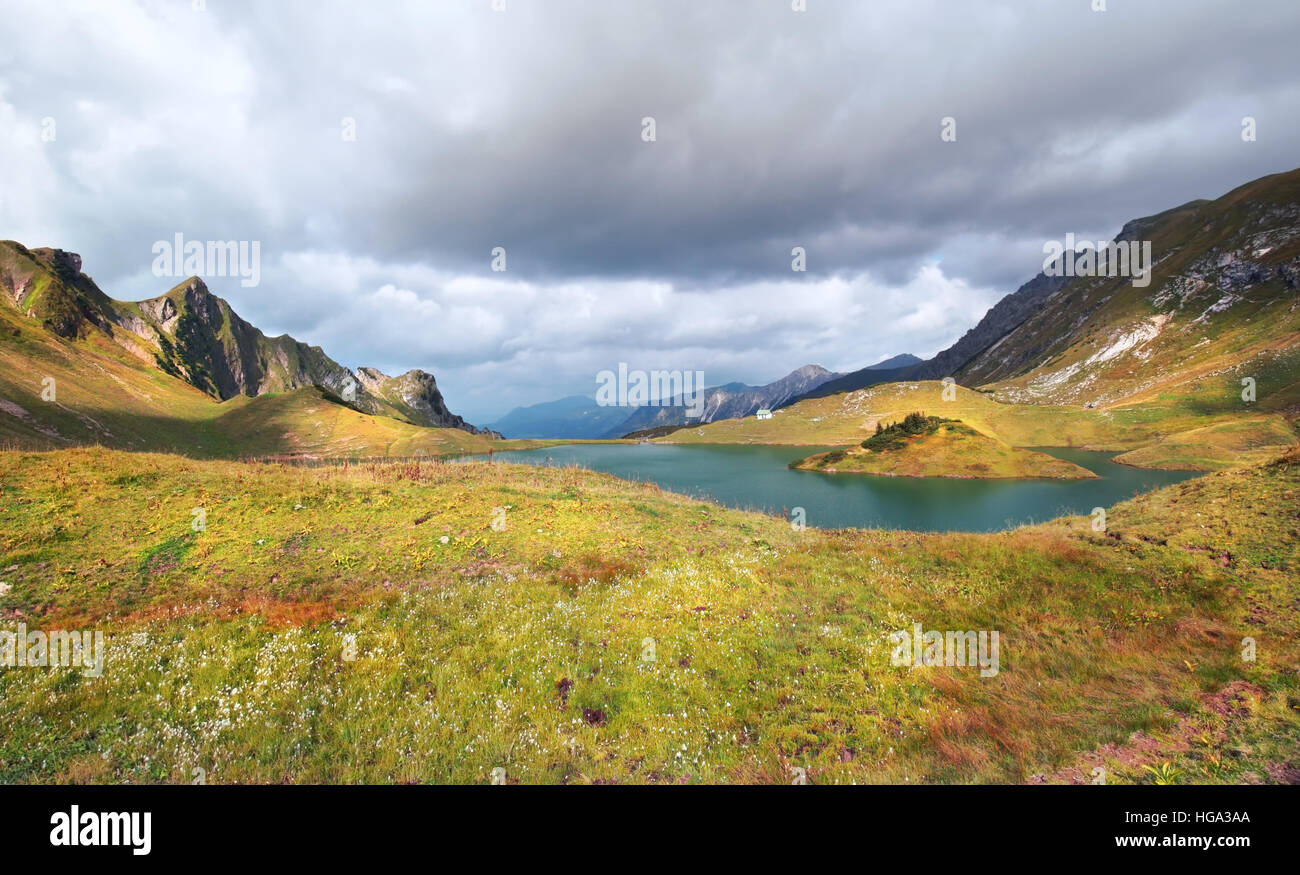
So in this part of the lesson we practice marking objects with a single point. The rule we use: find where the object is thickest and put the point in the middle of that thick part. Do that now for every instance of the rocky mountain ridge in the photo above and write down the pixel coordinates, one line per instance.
(195, 336)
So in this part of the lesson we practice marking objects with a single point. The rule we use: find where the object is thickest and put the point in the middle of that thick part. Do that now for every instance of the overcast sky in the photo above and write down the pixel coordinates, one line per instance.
(523, 129)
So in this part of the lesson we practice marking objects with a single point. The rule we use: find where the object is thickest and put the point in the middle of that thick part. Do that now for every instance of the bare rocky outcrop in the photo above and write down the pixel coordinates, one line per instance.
(416, 394)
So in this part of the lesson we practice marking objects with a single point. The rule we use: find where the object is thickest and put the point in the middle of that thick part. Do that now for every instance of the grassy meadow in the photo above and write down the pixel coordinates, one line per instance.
(434, 622)
(1177, 432)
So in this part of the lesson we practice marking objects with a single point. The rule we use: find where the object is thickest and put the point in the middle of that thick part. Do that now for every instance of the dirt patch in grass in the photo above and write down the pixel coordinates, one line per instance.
(1284, 773)
(593, 568)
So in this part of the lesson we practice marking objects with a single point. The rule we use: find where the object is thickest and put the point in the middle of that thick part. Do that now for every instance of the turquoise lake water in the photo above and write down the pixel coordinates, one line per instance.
(756, 478)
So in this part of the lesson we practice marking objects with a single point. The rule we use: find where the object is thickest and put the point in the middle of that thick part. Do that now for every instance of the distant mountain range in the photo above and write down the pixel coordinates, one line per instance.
(732, 401)
(576, 416)
(581, 417)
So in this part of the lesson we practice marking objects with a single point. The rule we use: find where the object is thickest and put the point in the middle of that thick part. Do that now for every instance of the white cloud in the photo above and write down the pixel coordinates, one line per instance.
(496, 342)
(477, 129)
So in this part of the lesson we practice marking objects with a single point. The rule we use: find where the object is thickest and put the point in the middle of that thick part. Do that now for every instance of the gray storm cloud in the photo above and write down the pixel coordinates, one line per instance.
(522, 128)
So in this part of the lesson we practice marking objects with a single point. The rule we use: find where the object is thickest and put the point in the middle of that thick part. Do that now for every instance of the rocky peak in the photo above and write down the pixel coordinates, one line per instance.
(201, 302)
(68, 261)
(66, 264)
(371, 379)
(416, 394)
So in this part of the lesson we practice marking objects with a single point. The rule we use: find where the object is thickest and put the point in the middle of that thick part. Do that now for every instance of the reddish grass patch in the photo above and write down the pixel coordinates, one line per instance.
(593, 568)
(288, 614)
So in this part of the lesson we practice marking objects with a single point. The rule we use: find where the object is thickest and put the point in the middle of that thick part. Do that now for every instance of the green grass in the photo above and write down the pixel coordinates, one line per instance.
(226, 647)
(1243, 442)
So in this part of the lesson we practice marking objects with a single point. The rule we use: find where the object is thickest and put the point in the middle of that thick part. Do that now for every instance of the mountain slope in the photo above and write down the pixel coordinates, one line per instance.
(1220, 306)
(150, 374)
(898, 361)
(1223, 305)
